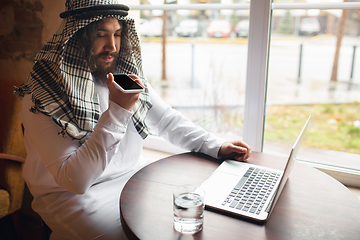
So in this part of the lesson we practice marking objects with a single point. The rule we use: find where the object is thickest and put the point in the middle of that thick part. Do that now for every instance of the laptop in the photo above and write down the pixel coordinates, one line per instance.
(246, 190)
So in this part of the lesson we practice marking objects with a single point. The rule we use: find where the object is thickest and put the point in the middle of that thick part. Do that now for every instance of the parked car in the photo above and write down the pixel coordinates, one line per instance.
(188, 28)
(309, 26)
(151, 28)
(242, 29)
(220, 28)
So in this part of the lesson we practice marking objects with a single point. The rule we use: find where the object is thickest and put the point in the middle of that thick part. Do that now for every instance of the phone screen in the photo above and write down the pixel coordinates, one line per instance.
(126, 82)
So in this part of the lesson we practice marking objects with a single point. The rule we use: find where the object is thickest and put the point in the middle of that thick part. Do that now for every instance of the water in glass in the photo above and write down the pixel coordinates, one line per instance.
(188, 212)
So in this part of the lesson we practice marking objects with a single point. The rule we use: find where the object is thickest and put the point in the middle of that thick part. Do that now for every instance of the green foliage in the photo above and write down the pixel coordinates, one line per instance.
(234, 20)
(286, 24)
(331, 127)
(354, 131)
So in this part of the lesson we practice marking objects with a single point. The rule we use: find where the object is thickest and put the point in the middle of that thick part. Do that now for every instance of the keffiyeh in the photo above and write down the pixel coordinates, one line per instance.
(61, 83)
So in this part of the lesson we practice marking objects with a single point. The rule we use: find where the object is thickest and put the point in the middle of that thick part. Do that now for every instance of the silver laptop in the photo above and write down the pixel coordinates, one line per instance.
(247, 190)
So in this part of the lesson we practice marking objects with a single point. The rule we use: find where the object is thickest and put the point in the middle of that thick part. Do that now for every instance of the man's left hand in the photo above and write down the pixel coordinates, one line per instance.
(238, 150)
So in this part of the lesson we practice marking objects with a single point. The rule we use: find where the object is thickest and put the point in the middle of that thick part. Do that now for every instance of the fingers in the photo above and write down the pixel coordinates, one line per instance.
(243, 145)
(136, 79)
(243, 157)
(110, 80)
(237, 150)
(241, 153)
(240, 149)
(125, 100)
(247, 153)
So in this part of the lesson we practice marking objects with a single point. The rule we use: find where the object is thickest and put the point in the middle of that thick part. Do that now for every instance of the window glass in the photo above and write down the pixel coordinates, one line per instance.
(204, 72)
(312, 71)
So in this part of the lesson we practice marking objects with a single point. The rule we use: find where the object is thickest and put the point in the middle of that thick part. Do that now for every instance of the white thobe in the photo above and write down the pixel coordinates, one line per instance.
(77, 187)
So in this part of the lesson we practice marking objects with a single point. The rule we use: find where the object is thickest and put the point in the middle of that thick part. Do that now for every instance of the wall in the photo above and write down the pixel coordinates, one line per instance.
(24, 27)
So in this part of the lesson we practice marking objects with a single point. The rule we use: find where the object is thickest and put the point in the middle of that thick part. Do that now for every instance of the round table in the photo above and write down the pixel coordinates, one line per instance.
(312, 205)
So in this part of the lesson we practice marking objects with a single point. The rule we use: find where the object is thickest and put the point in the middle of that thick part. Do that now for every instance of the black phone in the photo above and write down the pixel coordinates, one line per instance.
(126, 84)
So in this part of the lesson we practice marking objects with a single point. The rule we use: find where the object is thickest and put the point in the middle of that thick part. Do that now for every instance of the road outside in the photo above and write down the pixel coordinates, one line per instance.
(214, 72)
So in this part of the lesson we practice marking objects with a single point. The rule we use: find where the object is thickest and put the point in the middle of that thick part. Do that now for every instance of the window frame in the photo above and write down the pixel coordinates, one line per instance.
(256, 81)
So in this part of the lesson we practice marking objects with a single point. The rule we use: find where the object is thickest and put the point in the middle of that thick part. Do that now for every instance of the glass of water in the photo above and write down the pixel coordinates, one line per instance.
(188, 209)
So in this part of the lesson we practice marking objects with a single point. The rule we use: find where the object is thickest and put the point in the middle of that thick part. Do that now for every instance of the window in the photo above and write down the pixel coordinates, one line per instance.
(297, 57)
(312, 55)
(204, 75)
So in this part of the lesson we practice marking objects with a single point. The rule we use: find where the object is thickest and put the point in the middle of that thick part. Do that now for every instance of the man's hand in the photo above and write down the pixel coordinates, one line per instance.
(238, 150)
(124, 100)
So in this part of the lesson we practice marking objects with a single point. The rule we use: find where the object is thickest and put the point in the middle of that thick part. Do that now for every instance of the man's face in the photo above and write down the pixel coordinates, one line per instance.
(107, 46)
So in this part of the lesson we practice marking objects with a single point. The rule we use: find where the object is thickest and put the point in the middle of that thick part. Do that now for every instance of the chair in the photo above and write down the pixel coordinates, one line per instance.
(11, 135)
(11, 188)
(13, 153)
(15, 198)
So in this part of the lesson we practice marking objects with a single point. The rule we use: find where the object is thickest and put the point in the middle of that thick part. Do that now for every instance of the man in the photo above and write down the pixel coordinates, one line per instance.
(82, 135)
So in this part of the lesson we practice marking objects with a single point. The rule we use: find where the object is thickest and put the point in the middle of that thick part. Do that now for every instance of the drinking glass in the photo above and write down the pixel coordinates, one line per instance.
(188, 209)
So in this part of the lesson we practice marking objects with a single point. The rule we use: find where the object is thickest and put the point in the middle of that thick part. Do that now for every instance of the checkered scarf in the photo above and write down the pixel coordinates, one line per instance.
(61, 83)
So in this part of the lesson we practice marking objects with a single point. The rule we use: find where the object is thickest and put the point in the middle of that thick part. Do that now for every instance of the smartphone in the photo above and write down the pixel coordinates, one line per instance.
(126, 84)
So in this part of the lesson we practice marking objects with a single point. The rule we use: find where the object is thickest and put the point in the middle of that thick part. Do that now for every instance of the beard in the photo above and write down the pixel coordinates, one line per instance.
(100, 69)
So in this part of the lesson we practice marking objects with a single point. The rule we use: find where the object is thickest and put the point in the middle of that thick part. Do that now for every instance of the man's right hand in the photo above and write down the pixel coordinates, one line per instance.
(124, 100)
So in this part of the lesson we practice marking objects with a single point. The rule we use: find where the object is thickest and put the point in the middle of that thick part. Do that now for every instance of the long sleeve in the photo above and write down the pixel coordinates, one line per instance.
(75, 166)
(170, 124)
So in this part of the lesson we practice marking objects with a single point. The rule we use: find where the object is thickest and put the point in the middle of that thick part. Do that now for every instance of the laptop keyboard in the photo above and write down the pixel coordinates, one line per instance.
(252, 191)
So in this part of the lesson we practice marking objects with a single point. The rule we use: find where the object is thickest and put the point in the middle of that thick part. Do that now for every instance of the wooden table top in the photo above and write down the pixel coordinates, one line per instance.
(313, 205)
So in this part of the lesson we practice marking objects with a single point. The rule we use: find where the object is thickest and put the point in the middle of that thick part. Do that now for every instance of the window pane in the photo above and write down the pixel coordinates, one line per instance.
(313, 54)
(205, 71)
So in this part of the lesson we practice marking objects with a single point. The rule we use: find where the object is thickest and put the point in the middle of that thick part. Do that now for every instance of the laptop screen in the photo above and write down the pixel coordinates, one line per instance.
(289, 165)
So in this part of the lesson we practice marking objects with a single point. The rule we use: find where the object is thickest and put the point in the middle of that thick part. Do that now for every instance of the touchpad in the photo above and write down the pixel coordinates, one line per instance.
(218, 186)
